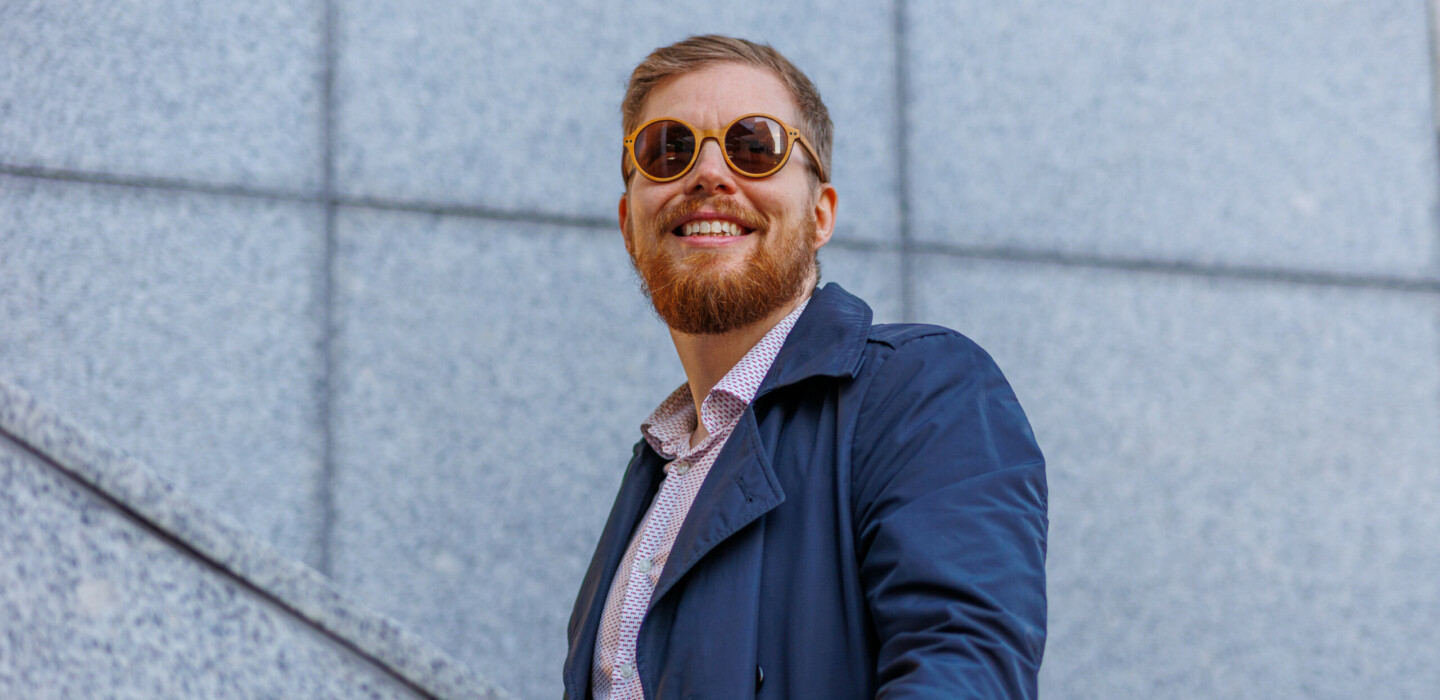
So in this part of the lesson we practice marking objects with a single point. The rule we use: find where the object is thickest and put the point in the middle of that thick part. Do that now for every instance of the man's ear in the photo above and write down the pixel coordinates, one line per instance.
(825, 201)
(625, 221)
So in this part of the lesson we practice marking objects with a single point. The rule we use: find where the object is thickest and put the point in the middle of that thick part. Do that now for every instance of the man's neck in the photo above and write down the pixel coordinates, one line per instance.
(707, 358)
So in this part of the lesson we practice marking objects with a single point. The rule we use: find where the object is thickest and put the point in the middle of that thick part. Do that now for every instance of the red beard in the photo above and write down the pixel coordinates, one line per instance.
(694, 295)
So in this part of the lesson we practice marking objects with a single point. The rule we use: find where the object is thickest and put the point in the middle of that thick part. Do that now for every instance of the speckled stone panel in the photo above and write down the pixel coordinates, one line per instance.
(217, 92)
(491, 378)
(1290, 134)
(517, 106)
(1242, 476)
(97, 605)
(184, 329)
(872, 275)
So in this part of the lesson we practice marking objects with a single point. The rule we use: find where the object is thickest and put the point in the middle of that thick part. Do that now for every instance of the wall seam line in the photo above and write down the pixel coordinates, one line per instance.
(902, 163)
(157, 183)
(1432, 35)
(1179, 268)
(327, 297)
(1000, 253)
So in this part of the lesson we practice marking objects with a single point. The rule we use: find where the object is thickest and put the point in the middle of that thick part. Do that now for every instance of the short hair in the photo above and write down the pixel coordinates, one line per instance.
(698, 52)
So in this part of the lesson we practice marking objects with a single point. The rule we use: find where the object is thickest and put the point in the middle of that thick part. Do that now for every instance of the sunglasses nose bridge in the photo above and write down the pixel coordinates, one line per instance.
(710, 160)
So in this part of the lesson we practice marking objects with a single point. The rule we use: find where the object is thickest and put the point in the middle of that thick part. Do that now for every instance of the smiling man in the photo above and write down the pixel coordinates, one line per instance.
(826, 508)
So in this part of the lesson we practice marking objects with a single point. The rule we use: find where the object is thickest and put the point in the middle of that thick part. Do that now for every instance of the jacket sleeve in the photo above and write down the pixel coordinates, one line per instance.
(950, 511)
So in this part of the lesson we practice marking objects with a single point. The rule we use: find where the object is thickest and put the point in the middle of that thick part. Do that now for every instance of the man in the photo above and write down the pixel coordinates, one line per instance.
(826, 509)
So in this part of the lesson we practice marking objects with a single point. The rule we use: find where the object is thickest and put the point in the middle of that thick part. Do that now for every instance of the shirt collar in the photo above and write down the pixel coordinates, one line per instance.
(669, 426)
(743, 380)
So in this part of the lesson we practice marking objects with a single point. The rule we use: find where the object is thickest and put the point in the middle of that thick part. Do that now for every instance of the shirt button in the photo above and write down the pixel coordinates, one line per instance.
(681, 468)
(627, 671)
(644, 565)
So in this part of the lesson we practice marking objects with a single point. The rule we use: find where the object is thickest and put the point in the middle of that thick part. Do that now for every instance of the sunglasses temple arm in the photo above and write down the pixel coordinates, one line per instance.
(814, 160)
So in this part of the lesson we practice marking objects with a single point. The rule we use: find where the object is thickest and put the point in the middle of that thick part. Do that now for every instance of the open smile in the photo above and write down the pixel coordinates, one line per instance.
(711, 228)
(710, 224)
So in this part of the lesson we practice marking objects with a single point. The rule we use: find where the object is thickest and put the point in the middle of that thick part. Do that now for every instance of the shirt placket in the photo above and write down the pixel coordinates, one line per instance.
(624, 675)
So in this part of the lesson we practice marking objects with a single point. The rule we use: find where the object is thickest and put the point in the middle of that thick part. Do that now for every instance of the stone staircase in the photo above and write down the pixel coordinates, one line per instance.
(115, 584)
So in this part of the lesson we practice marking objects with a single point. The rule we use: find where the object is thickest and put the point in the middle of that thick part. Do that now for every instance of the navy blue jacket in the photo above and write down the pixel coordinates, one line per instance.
(874, 527)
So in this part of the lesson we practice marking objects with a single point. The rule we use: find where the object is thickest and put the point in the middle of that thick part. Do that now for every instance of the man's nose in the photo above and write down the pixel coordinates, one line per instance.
(711, 173)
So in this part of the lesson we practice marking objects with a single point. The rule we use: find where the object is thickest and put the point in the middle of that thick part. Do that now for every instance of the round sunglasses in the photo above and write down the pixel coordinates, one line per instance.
(755, 145)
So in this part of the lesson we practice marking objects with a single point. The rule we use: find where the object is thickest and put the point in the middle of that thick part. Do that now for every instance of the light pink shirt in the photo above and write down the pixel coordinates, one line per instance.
(668, 430)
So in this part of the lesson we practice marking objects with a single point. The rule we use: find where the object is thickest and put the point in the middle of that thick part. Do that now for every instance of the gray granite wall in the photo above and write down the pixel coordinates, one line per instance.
(346, 271)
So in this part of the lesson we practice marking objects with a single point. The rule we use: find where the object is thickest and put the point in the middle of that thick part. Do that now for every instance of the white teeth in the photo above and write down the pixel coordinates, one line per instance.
(711, 228)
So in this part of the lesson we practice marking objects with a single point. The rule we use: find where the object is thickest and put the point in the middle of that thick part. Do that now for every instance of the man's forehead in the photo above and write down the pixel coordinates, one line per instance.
(718, 93)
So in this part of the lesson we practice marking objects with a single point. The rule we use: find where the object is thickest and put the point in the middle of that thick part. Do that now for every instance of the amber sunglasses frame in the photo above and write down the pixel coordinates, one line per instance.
(702, 135)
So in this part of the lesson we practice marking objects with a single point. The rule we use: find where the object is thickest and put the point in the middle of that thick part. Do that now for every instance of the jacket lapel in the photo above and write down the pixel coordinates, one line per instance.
(642, 480)
(827, 340)
(740, 487)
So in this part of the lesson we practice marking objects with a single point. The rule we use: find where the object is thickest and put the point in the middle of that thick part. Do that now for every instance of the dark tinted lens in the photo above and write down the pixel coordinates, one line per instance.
(756, 144)
(664, 149)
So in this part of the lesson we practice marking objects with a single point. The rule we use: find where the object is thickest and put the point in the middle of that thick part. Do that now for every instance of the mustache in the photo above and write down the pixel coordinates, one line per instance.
(671, 215)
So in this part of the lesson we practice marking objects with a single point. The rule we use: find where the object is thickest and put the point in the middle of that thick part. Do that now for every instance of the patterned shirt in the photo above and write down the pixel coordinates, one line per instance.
(668, 430)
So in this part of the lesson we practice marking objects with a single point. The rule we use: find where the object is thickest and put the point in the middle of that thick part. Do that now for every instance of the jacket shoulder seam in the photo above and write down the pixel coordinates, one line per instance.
(894, 335)
(899, 335)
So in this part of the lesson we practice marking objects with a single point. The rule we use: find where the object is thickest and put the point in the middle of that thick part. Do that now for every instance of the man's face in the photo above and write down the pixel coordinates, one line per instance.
(705, 284)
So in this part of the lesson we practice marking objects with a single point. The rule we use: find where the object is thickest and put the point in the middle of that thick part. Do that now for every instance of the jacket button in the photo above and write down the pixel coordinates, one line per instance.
(759, 676)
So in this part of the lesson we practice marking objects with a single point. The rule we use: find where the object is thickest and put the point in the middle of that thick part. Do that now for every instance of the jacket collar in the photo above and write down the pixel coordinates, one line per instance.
(828, 340)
